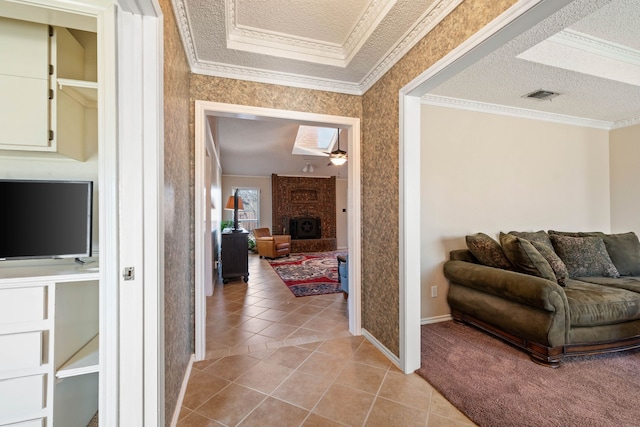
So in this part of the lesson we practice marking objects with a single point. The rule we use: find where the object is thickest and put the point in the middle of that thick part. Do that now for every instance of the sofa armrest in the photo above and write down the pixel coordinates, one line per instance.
(282, 238)
(264, 239)
(521, 288)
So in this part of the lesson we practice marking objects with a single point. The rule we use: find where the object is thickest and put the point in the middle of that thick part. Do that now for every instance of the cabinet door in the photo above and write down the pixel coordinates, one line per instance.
(24, 85)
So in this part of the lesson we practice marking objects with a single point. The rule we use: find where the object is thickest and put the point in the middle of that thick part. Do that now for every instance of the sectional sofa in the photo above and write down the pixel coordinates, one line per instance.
(553, 294)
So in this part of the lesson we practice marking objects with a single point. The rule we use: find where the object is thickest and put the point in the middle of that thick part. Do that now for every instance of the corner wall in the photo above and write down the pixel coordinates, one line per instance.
(490, 173)
(624, 151)
(179, 223)
(380, 165)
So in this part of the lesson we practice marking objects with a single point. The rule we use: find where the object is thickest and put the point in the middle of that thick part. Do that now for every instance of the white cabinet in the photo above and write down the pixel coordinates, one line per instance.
(49, 365)
(48, 81)
(24, 85)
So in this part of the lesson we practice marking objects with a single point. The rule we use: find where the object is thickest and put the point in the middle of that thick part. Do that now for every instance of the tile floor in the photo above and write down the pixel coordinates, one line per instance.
(277, 360)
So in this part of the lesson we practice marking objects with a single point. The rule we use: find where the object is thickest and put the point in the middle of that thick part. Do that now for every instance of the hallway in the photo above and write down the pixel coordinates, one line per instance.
(277, 360)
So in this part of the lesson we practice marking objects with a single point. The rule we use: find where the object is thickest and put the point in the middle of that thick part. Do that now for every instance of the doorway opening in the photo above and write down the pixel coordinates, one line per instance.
(203, 138)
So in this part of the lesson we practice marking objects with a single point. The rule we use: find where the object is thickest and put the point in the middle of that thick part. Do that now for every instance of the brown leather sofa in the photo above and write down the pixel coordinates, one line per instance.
(271, 246)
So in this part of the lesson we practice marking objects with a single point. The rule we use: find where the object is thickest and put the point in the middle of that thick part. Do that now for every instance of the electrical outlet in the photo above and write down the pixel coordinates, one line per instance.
(434, 291)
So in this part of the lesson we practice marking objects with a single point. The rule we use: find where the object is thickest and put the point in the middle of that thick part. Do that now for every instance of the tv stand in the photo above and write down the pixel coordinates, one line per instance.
(49, 328)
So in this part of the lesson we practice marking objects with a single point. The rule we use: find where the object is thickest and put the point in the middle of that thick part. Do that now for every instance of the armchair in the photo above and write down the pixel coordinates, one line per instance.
(271, 246)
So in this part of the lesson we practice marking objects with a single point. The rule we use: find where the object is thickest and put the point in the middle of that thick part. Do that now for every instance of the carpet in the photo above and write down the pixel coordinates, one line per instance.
(307, 274)
(495, 384)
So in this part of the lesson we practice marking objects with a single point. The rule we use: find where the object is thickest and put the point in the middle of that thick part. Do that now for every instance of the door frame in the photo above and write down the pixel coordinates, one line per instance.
(204, 109)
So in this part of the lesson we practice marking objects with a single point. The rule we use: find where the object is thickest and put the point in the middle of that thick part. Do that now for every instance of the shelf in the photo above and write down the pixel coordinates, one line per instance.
(85, 361)
(82, 91)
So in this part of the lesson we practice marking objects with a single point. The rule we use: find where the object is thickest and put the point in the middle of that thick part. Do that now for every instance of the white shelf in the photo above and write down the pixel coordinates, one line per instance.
(82, 91)
(85, 361)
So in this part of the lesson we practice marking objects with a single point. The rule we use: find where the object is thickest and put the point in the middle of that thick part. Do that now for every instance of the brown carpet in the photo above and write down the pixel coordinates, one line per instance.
(495, 384)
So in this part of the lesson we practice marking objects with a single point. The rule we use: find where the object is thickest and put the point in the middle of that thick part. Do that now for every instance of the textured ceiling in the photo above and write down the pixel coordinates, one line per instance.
(589, 52)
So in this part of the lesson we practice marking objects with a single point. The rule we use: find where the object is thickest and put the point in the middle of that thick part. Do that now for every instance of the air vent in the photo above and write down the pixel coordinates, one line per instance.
(541, 95)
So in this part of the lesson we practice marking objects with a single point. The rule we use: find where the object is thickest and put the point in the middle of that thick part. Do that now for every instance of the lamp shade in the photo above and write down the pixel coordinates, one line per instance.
(231, 205)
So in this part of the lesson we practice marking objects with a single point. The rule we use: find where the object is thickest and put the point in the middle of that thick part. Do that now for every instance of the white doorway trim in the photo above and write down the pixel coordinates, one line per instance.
(520, 17)
(204, 109)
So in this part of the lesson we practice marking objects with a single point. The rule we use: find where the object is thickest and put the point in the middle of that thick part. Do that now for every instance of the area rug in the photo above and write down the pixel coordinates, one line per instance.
(307, 274)
(495, 384)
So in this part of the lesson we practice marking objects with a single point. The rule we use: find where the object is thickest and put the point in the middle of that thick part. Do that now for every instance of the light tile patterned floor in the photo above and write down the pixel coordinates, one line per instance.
(277, 360)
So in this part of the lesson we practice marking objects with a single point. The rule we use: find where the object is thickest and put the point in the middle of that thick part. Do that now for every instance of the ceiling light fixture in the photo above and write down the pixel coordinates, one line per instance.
(308, 168)
(338, 157)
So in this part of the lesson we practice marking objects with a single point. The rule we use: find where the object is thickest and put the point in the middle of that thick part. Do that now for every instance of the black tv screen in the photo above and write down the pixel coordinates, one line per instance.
(45, 219)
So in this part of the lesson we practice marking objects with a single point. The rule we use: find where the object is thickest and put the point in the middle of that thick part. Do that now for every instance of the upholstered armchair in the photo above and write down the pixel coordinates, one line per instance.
(271, 246)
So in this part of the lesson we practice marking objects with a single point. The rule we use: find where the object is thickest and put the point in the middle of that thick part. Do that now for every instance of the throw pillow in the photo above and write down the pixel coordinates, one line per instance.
(624, 251)
(541, 241)
(487, 251)
(584, 256)
(525, 257)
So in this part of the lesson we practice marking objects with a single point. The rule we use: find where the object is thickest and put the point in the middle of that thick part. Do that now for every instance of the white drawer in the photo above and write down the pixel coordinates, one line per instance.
(22, 304)
(20, 351)
(22, 398)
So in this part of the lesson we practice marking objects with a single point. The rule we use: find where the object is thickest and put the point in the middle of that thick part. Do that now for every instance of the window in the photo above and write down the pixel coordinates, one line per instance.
(249, 218)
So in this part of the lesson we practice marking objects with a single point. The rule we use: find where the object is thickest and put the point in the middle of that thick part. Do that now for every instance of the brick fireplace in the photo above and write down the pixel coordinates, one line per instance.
(303, 200)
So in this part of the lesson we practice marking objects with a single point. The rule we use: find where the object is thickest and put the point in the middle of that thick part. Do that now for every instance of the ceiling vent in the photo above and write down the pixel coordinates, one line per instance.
(541, 95)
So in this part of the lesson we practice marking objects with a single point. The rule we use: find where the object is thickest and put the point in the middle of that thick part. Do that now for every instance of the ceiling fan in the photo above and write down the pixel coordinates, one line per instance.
(337, 157)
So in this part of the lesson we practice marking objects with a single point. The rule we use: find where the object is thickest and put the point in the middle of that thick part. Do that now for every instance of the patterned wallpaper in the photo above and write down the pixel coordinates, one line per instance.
(178, 194)
(380, 176)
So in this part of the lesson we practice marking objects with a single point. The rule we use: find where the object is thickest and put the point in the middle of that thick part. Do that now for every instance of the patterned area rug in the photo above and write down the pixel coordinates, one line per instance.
(309, 274)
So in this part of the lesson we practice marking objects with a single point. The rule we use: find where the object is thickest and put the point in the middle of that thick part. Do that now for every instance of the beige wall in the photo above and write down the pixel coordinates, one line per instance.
(261, 182)
(624, 152)
(490, 173)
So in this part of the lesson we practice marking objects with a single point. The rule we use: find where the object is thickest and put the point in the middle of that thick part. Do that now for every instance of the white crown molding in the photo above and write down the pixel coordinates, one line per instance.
(262, 41)
(182, 21)
(485, 107)
(626, 123)
(277, 78)
(430, 19)
(597, 46)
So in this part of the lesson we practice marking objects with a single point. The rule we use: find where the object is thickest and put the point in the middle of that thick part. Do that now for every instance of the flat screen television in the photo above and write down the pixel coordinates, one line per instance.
(45, 219)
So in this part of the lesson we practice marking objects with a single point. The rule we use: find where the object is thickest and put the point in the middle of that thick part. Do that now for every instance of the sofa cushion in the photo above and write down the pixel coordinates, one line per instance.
(624, 250)
(525, 257)
(630, 283)
(541, 241)
(584, 256)
(487, 251)
(594, 305)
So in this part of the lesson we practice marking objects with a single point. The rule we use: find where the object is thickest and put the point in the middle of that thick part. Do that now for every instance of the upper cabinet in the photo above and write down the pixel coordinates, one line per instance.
(50, 80)
(24, 84)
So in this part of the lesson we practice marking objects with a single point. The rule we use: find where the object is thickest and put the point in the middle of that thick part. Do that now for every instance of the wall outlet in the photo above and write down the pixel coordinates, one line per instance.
(434, 291)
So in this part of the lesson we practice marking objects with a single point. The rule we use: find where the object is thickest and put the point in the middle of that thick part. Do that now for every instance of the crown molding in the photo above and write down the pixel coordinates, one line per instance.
(485, 107)
(261, 41)
(429, 20)
(626, 123)
(277, 78)
(432, 17)
(597, 46)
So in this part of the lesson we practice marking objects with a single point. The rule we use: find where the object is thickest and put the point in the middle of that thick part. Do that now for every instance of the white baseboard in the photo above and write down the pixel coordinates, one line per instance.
(436, 319)
(377, 344)
(183, 390)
